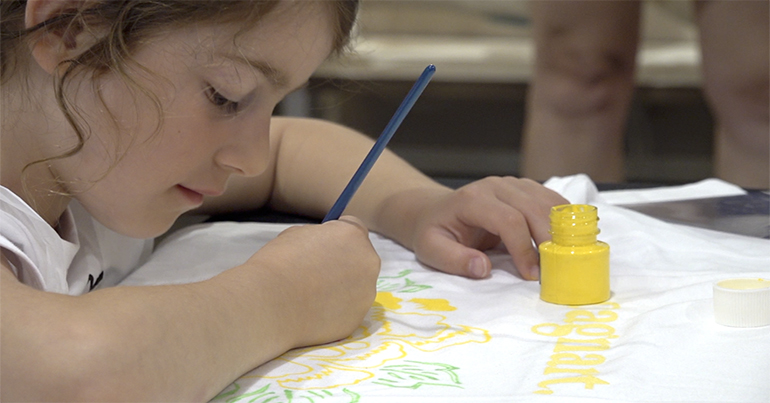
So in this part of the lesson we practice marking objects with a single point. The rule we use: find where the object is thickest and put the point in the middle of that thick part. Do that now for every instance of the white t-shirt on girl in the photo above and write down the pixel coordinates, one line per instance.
(81, 256)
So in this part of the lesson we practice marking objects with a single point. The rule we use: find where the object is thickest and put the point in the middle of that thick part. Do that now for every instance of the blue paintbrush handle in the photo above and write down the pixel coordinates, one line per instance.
(380, 144)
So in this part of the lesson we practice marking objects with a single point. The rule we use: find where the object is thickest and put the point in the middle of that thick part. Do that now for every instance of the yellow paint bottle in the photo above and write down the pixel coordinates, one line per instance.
(574, 265)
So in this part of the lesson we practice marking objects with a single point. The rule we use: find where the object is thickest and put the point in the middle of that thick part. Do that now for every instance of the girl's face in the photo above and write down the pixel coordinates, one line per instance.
(217, 98)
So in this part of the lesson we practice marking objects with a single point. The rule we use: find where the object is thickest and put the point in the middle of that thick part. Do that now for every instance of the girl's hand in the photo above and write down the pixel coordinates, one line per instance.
(452, 231)
(325, 279)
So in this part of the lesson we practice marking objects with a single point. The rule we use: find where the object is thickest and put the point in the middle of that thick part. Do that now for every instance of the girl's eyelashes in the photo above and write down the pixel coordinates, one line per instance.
(222, 102)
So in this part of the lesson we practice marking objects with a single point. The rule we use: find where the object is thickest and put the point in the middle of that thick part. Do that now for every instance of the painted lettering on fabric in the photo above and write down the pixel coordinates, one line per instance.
(579, 346)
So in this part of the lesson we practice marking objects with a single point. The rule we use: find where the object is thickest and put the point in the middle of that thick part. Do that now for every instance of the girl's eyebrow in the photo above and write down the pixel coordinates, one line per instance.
(277, 78)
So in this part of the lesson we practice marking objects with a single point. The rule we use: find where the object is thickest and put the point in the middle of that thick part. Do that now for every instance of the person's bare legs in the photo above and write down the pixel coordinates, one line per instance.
(581, 90)
(736, 67)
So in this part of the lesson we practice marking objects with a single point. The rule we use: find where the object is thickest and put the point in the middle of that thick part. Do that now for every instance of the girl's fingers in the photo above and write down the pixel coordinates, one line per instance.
(496, 208)
(442, 251)
(450, 248)
(533, 201)
(349, 219)
(513, 229)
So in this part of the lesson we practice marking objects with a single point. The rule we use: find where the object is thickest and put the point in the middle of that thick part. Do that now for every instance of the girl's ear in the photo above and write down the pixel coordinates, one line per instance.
(61, 42)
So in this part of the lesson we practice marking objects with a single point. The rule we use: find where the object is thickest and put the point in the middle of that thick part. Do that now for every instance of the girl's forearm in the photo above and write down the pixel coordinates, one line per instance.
(127, 343)
(316, 160)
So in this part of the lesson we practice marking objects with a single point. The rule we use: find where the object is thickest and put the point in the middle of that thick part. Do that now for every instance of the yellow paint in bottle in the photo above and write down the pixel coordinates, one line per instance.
(574, 265)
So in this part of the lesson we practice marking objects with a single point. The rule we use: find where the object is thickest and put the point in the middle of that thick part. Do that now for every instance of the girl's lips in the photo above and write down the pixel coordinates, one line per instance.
(195, 198)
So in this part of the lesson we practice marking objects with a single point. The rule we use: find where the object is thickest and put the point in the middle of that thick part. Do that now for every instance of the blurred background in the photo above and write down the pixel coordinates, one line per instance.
(469, 120)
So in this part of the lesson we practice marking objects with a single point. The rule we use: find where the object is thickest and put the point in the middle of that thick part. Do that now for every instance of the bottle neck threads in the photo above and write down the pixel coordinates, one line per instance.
(574, 224)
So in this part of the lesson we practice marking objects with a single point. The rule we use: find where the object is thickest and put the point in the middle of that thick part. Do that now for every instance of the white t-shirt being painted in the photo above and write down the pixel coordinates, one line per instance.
(80, 256)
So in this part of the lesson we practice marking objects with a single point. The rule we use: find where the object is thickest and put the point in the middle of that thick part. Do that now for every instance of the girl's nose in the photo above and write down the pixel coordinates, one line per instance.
(248, 150)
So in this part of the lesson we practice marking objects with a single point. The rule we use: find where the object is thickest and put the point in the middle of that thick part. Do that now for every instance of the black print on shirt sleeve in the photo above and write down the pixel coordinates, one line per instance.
(93, 283)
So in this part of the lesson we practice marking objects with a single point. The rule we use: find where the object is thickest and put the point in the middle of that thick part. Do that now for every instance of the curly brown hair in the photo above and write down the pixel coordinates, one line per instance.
(125, 24)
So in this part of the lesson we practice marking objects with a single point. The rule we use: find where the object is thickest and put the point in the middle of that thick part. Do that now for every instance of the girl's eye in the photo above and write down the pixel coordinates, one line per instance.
(221, 102)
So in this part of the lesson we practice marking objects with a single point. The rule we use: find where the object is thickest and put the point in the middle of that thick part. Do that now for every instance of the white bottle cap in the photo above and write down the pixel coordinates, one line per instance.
(742, 302)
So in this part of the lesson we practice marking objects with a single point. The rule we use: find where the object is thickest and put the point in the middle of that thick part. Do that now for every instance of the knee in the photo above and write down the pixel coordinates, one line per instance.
(584, 58)
(583, 77)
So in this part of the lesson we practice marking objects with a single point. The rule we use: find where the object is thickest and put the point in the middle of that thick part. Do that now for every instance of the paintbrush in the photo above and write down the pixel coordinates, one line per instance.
(379, 145)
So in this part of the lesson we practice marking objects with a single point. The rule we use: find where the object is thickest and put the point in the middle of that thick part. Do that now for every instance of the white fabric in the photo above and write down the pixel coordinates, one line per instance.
(700, 190)
(432, 337)
(81, 255)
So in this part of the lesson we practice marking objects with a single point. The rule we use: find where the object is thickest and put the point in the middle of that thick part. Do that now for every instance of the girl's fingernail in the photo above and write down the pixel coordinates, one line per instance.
(477, 268)
(534, 273)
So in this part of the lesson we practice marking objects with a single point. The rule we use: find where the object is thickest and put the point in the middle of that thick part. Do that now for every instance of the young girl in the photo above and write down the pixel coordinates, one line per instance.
(119, 116)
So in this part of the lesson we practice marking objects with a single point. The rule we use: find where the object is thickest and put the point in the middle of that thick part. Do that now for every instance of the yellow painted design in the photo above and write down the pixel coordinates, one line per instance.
(392, 328)
(388, 301)
(435, 305)
(578, 348)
